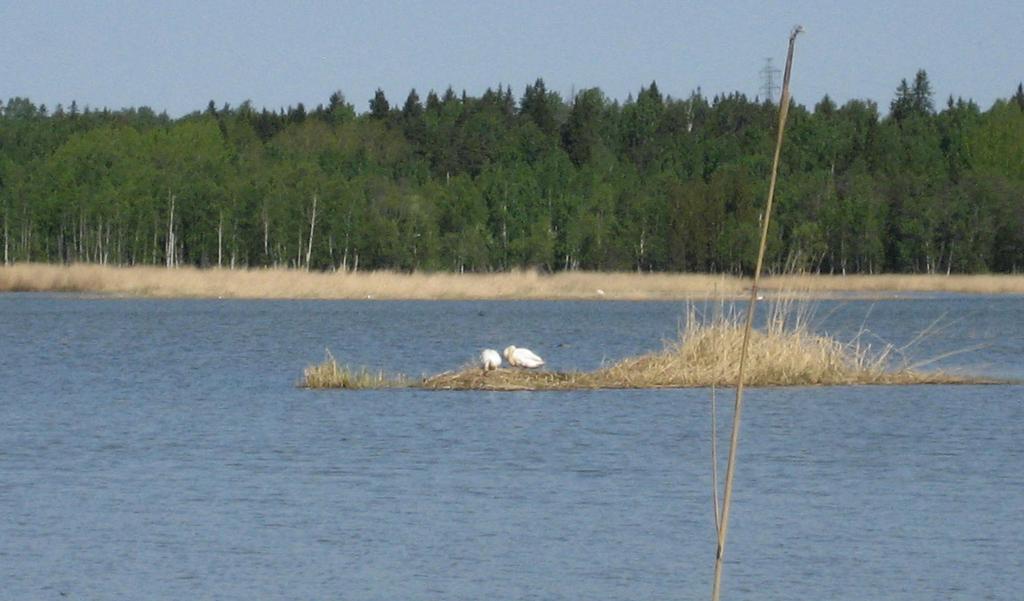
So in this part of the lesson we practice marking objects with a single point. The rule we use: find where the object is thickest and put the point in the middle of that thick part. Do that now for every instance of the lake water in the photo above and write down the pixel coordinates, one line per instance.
(159, 449)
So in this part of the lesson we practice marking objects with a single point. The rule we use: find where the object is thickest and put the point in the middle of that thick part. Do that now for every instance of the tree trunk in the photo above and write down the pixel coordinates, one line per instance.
(312, 224)
(81, 238)
(234, 245)
(266, 233)
(26, 239)
(101, 250)
(220, 239)
(170, 235)
(640, 259)
(348, 230)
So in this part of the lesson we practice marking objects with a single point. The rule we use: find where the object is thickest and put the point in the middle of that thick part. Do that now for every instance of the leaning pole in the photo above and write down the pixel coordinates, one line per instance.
(723, 521)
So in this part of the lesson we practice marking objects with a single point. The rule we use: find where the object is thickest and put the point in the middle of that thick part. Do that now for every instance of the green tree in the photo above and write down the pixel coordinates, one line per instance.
(921, 95)
(413, 125)
(582, 133)
(338, 110)
(640, 121)
(541, 106)
(380, 108)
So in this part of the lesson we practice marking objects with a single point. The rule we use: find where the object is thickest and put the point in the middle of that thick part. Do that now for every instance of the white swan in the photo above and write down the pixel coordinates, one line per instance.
(490, 359)
(522, 357)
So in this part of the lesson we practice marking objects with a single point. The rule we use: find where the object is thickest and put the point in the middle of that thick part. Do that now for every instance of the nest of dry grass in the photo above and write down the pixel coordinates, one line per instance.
(506, 379)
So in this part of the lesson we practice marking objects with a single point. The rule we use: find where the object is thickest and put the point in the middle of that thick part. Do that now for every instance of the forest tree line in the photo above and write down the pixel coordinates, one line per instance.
(461, 183)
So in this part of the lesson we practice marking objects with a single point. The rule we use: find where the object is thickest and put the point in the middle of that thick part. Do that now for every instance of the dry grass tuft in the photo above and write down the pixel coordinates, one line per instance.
(784, 353)
(331, 375)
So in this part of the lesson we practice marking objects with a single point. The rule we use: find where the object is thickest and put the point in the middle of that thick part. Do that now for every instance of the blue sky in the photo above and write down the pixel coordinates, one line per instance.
(177, 56)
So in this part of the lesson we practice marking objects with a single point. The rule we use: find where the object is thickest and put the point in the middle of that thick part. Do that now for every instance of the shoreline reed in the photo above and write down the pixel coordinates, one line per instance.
(280, 283)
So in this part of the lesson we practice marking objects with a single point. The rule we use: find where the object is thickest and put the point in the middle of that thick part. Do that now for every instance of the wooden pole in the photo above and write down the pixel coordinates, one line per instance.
(730, 468)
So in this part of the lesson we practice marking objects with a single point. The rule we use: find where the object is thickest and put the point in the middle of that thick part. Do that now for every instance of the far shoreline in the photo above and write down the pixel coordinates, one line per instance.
(292, 284)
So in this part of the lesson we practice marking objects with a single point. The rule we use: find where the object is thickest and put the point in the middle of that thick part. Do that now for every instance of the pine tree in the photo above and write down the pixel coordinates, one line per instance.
(433, 102)
(297, 114)
(922, 94)
(826, 107)
(537, 105)
(412, 119)
(412, 109)
(379, 107)
(581, 133)
(902, 106)
(339, 111)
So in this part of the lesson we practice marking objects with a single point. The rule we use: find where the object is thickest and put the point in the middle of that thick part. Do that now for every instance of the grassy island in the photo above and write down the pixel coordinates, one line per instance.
(784, 353)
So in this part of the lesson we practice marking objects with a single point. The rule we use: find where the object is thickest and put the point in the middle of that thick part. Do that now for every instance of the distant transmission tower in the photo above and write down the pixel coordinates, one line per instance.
(769, 87)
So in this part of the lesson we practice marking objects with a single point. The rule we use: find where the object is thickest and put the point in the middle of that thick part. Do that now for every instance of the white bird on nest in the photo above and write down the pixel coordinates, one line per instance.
(522, 357)
(490, 359)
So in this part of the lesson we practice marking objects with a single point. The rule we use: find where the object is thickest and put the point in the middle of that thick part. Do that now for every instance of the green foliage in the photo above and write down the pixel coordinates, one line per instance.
(466, 183)
(379, 106)
(541, 107)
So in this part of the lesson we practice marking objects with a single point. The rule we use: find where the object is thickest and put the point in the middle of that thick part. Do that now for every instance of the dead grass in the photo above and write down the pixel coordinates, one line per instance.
(509, 379)
(331, 375)
(785, 352)
(293, 284)
(889, 283)
(518, 285)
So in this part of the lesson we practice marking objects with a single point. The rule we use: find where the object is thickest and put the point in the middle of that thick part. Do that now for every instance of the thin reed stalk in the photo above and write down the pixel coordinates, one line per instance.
(730, 469)
(714, 460)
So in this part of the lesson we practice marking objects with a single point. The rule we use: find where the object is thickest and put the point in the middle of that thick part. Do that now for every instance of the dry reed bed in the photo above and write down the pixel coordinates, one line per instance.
(520, 285)
(295, 284)
(889, 283)
(784, 353)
